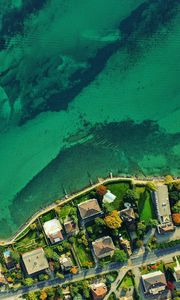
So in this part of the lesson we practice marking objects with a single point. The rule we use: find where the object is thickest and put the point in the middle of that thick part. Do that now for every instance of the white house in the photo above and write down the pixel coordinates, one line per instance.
(108, 197)
(53, 230)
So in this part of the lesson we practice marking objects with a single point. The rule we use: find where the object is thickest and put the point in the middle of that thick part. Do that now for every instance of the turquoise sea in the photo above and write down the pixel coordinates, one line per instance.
(86, 87)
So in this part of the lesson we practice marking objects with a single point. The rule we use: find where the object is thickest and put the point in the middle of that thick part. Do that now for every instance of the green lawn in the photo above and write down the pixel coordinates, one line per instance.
(159, 266)
(65, 211)
(118, 189)
(29, 242)
(145, 207)
(48, 216)
(85, 197)
(126, 282)
(83, 254)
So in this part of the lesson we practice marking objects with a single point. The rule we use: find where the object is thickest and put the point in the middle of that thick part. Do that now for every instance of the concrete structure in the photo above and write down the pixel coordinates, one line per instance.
(161, 202)
(125, 244)
(108, 197)
(98, 290)
(154, 283)
(53, 230)
(89, 208)
(35, 261)
(71, 227)
(10, 263)
(65, 262)
(103, 247)
(127, 215)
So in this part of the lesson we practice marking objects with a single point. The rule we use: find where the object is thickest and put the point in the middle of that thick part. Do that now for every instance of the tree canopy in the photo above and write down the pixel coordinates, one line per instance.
(130, 196)
(113, 220)
(119, 255)
(151, 186)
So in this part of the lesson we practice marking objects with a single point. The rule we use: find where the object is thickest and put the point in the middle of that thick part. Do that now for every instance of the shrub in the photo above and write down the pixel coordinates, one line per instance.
(113, 220)
(176, 218)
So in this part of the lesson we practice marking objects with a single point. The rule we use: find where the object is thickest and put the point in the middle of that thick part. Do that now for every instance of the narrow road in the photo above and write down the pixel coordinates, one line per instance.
(88, 273)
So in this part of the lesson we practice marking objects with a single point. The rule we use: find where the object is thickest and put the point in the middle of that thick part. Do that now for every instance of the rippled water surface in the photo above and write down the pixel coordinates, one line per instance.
(85, 87)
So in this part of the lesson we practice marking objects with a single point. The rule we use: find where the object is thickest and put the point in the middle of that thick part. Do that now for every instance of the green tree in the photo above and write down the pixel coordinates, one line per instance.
(150, 186)
(119, 255)
(50, 292)
(89, 229)
(33, 226)
(29, 281)
(86, 293)
(59, 275)
(99, 222)
(59, 292)
(32, 296)
(15, 256)
(66, 245)
(153, 223)
(139, 243)
(49, 252)
(176, 207)
(175, 195)
(141, 227)
(130, 196)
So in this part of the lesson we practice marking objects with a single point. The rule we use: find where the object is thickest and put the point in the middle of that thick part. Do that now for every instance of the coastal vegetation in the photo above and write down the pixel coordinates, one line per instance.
(78, 246)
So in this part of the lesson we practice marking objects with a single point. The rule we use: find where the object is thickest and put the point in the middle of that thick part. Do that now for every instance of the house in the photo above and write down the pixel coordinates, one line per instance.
(71, 227)
(98, 290)
(154, 283)
(89, 208)
(10, 263)
(53, 230)
(128, 215)
(35, 261)
(177, 271)
(108, 197)
(103, 247)
(125, 244)
(160, 199)
(65, 262)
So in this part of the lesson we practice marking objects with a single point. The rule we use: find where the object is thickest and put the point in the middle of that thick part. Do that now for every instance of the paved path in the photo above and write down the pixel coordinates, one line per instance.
(119, 278)
(171, 236)
(146, 258)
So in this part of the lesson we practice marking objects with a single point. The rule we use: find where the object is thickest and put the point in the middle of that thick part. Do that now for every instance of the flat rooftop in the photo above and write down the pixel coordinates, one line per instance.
(162, 197)
(35, 261)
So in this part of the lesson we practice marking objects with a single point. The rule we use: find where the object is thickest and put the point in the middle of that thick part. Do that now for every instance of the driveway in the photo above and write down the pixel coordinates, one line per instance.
(171, 236)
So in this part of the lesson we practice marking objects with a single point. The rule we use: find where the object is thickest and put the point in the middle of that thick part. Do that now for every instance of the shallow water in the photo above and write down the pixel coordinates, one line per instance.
(78, 101)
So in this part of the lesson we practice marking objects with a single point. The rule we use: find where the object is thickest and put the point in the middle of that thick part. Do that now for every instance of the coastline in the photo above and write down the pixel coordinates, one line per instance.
(59, 202)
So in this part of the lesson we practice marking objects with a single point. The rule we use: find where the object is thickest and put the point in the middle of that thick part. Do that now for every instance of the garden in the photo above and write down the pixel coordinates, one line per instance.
(118, 189)
(83, 251)
(127, 282)
(158, 266)
(145, 205)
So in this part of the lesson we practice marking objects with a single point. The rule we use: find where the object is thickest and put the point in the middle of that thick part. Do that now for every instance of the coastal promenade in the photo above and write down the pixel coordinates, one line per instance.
(60, 202)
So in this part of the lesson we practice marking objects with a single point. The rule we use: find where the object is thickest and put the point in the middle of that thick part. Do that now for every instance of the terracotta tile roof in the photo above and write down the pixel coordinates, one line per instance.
(103, 246)
(98, 290)
(89, 208)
